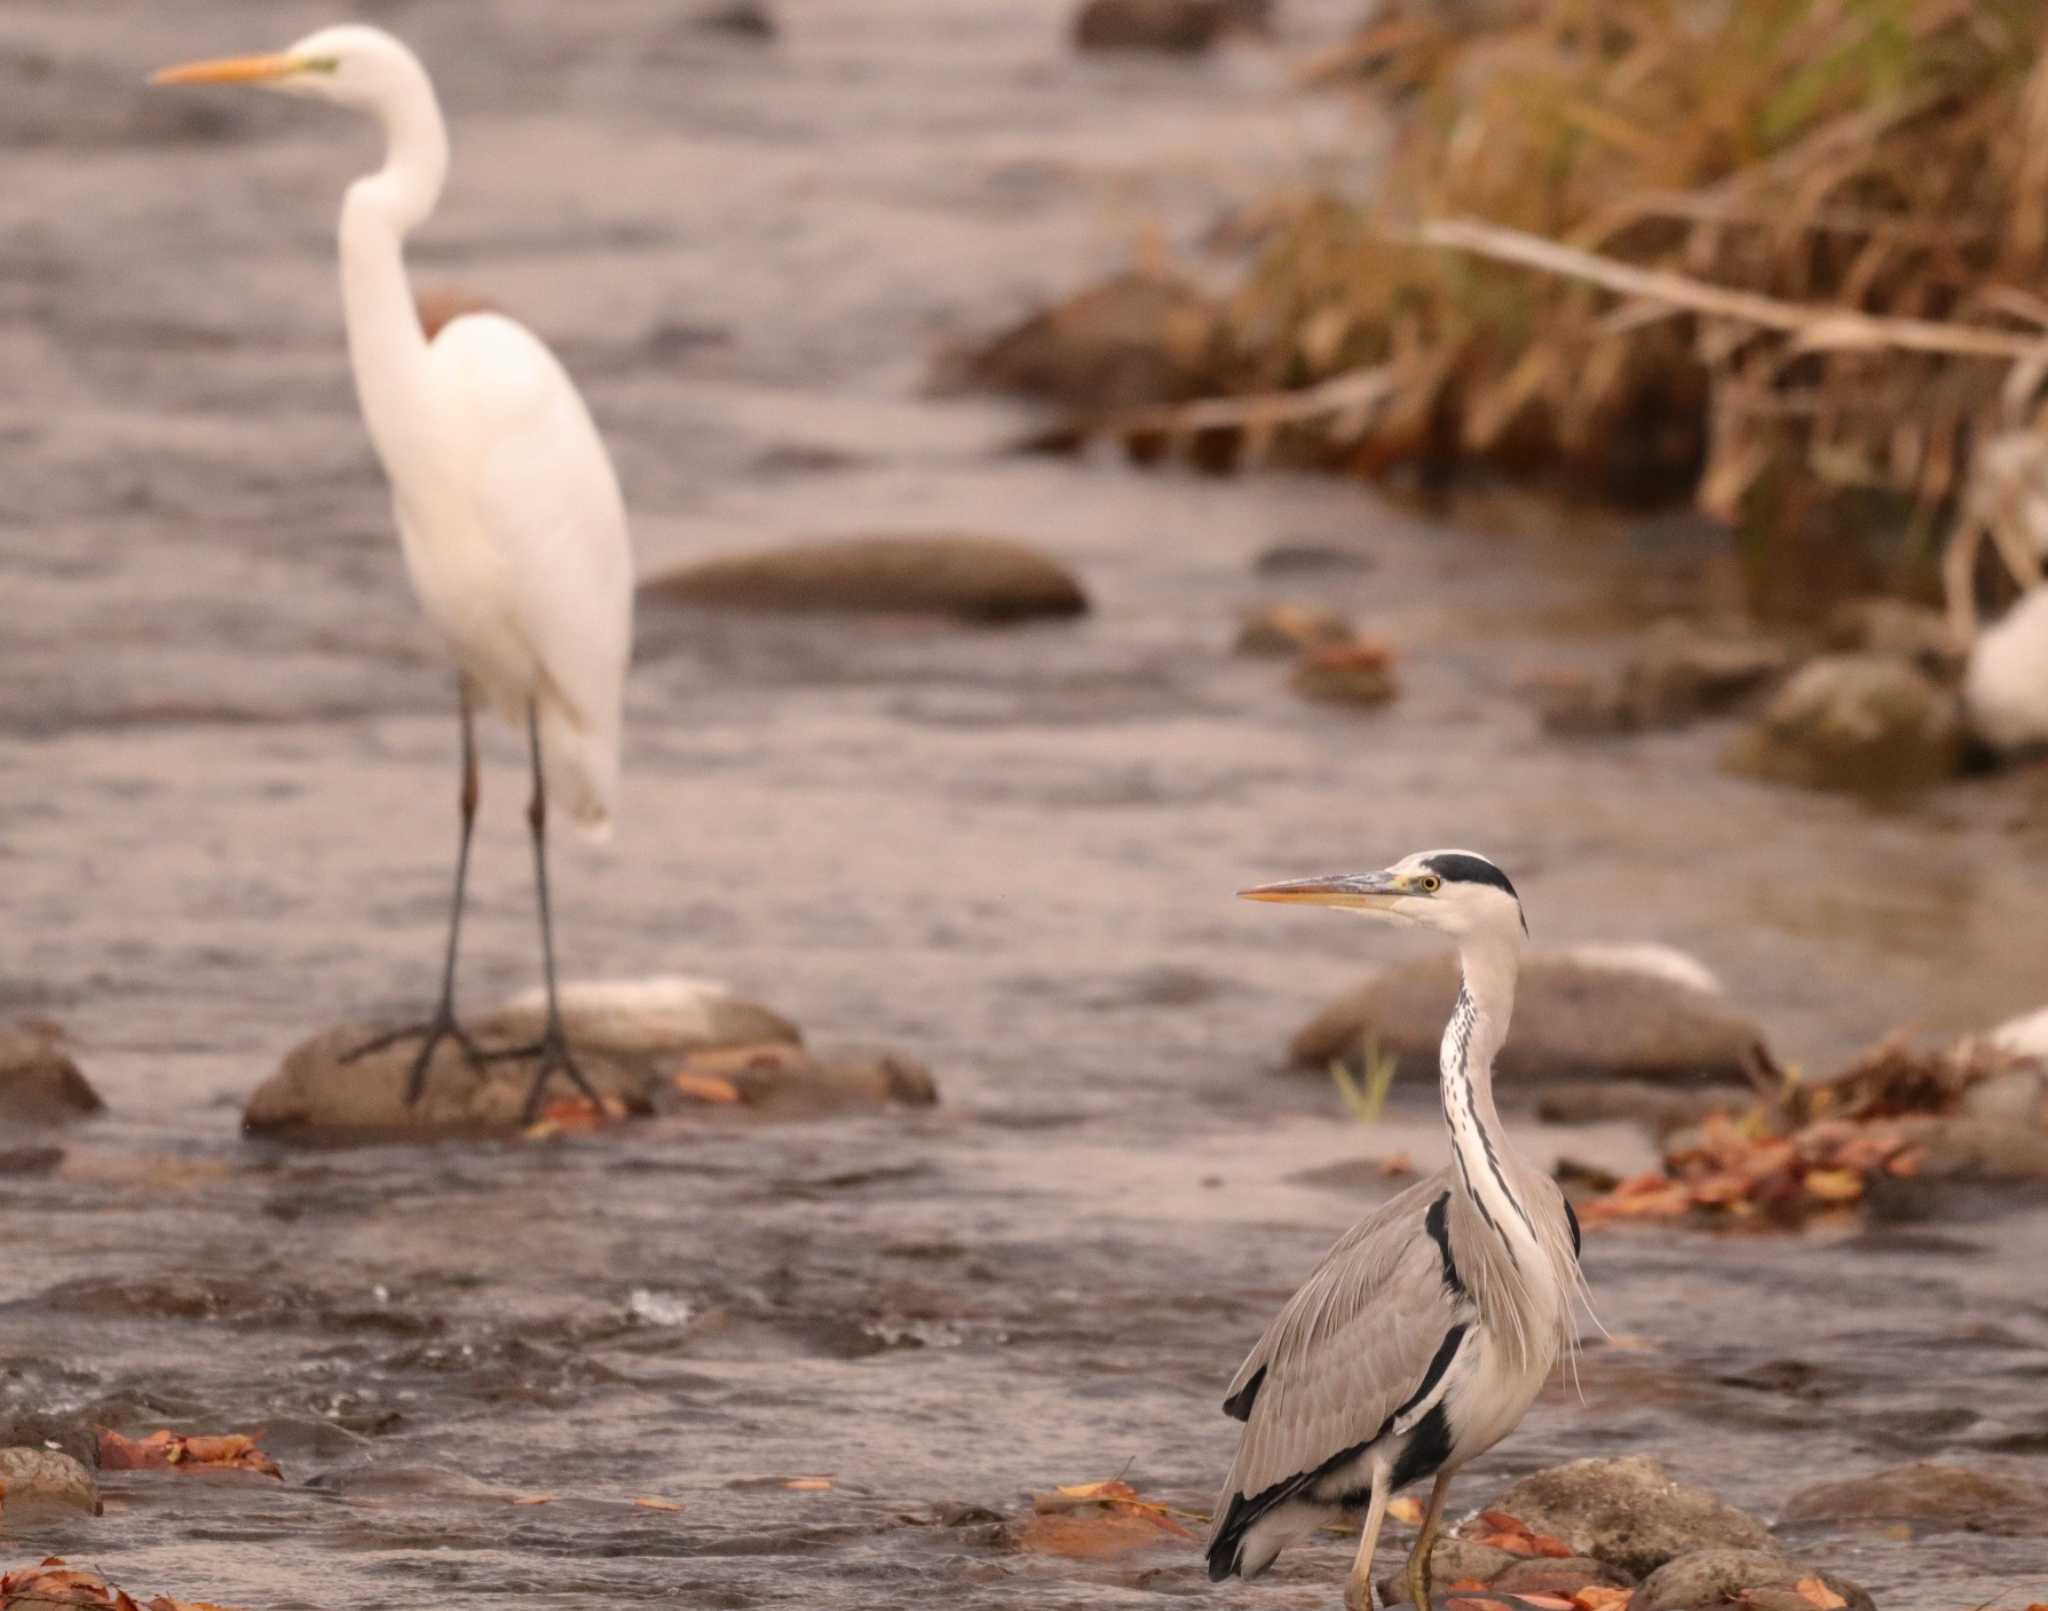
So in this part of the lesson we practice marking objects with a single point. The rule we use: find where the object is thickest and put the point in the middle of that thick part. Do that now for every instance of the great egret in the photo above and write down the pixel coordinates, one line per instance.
(508, 511)
(1424, 1335)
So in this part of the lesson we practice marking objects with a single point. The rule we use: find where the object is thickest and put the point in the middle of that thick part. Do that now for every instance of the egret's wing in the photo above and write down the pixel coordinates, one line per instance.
(547, 501)
(1351, 1348)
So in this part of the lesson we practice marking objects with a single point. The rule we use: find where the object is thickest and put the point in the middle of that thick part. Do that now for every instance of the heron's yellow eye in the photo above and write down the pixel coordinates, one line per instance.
(1431, 883)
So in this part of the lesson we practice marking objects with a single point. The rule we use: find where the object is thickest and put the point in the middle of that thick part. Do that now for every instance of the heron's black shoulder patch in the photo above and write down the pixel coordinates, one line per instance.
(1571, 1218)
(1456, 867)
(1428, 1447)
(1438, 1223)
(1239, 1405)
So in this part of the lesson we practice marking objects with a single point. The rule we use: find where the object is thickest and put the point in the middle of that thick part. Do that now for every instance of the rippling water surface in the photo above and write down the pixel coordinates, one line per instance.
(227, 813)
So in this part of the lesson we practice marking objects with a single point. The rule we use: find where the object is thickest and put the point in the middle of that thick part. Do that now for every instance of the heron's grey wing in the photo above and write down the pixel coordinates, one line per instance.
(1352, 1347)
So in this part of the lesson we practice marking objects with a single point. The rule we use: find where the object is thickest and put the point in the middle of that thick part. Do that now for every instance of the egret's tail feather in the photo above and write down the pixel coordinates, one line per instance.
(581, 764)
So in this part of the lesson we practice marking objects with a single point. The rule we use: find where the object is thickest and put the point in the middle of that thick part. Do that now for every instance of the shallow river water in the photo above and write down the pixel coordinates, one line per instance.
(226, 819)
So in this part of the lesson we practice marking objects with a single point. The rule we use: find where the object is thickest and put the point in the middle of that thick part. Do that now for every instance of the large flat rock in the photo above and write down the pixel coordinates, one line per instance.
(1635, 1012)
(650, 1046)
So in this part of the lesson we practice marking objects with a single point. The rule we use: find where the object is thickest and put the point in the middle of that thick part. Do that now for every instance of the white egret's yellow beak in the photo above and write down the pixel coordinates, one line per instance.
(1358, 892)
(230, 70)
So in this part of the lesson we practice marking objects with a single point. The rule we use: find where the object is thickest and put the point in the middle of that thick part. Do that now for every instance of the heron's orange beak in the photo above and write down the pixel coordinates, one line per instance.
(1359, 892)
(229, 70)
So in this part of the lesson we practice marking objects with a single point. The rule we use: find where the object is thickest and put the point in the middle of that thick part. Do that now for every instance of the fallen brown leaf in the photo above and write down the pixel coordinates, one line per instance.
(54, 1583)
(807, 1485)
(1464, 1583)
(1406, 1509)
(1818, 1593)
(706, 1087)
(1599, 1597)
(533, 1499)
(1834, 1185)
(164, 1450)
(649, 1502)
(1395, 1165)
(1476, 1605)
(1092, 1520)
(574, 1115)
(1545, 1602)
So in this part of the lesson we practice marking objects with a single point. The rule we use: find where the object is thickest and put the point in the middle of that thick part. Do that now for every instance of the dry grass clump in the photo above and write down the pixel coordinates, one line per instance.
(1820, 159)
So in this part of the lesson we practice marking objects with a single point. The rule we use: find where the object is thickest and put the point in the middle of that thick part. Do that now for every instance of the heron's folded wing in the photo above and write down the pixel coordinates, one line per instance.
(1350, 1350)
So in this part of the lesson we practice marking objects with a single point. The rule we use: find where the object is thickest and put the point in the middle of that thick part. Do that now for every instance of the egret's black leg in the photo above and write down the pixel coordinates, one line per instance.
(552, 1049)
(442, 1026)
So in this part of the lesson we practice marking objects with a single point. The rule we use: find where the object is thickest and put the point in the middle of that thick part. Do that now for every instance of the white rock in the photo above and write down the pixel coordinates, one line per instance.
(2024, 1036)
(1649, 958)
(2005, 688)
(666, 1009)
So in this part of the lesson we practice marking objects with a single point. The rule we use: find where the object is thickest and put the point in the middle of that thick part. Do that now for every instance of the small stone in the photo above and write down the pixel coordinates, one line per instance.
(1299, 558)
(2018, 1098)
(1451, 1560)
(35, 1477)
(980, 579)
(1709, 1579)
(743, 19)
(1930, 1492)
(1861, 723)
(1903, 631)
(1134, 341)
(1681, 670)
(1628, 1511)
(1290, 629)
(1181, 26)
(1583, 1013)
(1954, 1145)
(1658, 1108)
(39, 1083)
(1357, 673)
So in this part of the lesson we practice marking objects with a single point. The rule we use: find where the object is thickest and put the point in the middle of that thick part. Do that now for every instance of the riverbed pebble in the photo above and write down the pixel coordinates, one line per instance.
(962, 577)
(1580, 1013)
(39, 1083)
(1630, 1512)
(1706, 1579)
(1929, 1492)
(32, 1477)
(1179, 26)
(1856, 722)
(1281, 629)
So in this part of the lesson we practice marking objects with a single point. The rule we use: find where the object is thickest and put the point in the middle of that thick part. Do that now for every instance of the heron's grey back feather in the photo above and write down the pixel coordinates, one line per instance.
(1350, 1347)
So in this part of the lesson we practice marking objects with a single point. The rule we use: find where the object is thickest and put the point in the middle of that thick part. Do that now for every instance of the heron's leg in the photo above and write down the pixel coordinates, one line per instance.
(442, 1026)
(1425, 1542)
(1358, 1587)
(552, 1049)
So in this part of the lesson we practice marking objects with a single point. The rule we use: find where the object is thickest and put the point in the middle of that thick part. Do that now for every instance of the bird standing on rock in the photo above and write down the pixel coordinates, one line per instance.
(1425, 1334)
(508, 511)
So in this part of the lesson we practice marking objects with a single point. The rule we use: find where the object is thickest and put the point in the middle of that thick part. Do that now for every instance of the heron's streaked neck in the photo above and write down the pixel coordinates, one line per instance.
(387, 348)
(1478, 1027)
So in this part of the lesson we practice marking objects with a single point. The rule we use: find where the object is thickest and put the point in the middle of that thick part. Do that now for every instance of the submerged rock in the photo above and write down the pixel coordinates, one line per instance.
(1927, 1491)
(1658, 1108)
(983, 579)
(1904, 631)
(632, 1038)
(39, 1083)
(1680, 671)
(1130, 342)
(1857, 722)
(45, 1477)
(1707, 1579)
(2005, 688)
(1291, 629)
(1356, 673)
(1644, 1012)
(1628, 1511)
(744, 19)
(1183, 26)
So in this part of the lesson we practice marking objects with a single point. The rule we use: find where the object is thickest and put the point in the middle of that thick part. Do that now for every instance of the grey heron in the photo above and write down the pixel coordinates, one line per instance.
(1425, 1334)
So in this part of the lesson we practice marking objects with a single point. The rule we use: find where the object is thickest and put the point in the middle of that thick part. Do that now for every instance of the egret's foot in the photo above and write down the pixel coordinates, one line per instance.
(442, 1026)
(1358, 1592)
(551, 1052)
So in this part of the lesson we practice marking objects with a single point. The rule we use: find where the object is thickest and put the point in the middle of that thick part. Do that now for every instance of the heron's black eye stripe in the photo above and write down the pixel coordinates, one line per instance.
(1459, 868)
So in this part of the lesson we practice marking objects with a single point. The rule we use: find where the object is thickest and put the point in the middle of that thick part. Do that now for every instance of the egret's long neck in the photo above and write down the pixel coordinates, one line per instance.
(1478, 1027)
(386, 346)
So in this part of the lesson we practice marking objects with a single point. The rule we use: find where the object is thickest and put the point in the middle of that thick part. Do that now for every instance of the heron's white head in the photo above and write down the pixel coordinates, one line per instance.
(354, 66)
(1451, 891)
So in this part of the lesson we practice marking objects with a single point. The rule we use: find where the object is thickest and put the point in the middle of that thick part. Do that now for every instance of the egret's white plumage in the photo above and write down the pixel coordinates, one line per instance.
(508, 511)
(1426, 1333)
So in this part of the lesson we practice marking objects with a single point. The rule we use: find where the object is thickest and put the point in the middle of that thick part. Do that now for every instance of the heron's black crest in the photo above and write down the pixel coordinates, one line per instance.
(1456, 867)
